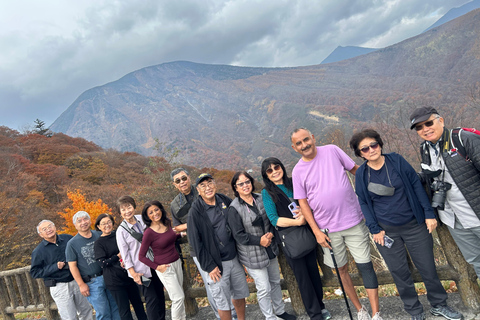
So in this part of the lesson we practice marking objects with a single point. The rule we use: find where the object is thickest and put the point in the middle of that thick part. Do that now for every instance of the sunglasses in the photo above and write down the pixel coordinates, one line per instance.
(373, 145)
(178, 180)
(275, 167)
(426, 124)
(245, 183)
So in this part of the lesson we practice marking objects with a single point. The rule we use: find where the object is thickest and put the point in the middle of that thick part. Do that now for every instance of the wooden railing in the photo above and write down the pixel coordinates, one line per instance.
(20, 293)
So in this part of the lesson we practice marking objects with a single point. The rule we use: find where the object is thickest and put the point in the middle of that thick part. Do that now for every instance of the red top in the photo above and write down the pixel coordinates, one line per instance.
(163, 246)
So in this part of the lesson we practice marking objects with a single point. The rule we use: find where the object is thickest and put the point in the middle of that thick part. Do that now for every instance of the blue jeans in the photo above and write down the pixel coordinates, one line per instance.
(102, 300)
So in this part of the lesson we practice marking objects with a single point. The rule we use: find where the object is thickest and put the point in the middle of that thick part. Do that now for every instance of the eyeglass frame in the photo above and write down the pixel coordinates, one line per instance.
(210, 183)
(276, 167)
(181, 179)
(244, 183)
(51, 226)
(428, 124)
(374, 145)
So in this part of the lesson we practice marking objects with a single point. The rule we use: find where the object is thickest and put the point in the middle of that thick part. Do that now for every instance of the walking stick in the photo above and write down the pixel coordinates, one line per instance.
(339, 278)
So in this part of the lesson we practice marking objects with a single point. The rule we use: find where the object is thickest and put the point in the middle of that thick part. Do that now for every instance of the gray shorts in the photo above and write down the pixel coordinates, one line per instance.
(232, 285)
(357, 240)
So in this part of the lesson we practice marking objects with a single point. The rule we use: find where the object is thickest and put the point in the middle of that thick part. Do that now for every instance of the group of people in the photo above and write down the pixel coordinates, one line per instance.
(106, 267)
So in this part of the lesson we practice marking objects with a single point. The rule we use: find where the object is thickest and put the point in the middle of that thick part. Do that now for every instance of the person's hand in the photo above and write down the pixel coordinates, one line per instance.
(215, 275)
(162, 268)
(379, 238)
(297, 213)
(137, 277)
(119, 255)
(431, 224)
(265, 240)
(60, 264)
(84, 289)
(269, 235)
(300, 220)
(323, 240)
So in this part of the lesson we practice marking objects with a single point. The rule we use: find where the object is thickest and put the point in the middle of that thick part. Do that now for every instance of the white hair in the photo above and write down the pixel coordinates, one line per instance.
(80, 214)
(38, 225)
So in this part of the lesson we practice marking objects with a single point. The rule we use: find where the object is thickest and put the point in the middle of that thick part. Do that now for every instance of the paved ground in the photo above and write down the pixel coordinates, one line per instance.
(391, 307)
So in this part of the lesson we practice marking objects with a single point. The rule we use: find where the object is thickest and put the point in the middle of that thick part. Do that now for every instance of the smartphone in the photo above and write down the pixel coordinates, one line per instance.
(388, 242)
(292, 206)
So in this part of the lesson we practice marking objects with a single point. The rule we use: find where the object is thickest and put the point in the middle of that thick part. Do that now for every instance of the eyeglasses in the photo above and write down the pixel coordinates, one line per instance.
(49, 227)
(373, 145)
(426, 124)
(109, 222)
(275, 167)
(209, 184)
(178, 180)
(245, 183)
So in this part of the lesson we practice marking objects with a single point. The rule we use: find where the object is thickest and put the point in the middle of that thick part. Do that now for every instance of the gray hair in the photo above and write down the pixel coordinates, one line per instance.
(177, 171)
(298, 129)
(38, 225)
(80, 214)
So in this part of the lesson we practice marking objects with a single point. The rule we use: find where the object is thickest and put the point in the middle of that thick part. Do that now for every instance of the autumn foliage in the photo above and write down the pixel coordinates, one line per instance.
(80, 203)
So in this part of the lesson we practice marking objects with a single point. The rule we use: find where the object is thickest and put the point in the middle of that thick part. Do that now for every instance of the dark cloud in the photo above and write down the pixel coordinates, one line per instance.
(52, 54)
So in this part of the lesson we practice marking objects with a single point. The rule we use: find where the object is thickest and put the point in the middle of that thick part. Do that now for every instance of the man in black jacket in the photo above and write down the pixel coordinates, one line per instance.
(214, 246)
(48, 262)
(456, 187)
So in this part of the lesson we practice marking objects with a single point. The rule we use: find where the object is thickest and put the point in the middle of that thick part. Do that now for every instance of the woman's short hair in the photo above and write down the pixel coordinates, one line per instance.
(359, 136)
(125, 200)
(100, 217)
(235, 178)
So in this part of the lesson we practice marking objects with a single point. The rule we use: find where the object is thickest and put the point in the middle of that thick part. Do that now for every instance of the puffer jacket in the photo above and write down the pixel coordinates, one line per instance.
(465, 173)
(253, 256)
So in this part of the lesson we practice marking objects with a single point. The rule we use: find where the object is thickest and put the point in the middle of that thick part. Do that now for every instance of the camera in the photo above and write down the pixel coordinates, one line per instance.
(440, 189)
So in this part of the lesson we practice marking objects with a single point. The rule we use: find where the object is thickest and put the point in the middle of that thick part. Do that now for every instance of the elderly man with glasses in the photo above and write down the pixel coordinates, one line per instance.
(48, 262)
(215, 248)
(451, 170)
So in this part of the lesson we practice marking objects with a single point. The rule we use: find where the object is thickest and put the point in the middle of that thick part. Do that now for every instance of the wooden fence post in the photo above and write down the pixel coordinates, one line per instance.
(191, 307)
(5, 302)
(467, 279)
(291, 283)
(47, 300)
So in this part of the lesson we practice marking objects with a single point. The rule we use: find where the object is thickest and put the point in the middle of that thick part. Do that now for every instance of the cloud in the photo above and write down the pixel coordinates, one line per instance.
(53, 51)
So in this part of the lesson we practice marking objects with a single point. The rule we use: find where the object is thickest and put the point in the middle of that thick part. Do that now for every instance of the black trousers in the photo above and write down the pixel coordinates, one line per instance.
(125, 296)
(310, 284)
(419, 243)
(154, 298)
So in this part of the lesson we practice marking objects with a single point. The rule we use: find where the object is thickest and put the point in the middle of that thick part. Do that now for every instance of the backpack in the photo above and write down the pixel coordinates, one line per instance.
(457, 141)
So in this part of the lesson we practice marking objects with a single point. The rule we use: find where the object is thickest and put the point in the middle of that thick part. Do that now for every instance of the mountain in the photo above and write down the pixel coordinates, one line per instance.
(233, 117)
(343, 53)
(455, 13)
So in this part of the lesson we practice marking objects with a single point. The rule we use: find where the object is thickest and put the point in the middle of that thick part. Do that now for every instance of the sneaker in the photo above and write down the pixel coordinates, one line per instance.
(286, 316)
(377, 316)
(420, 316)
(362, 314)
(326, 315)
(447, 312)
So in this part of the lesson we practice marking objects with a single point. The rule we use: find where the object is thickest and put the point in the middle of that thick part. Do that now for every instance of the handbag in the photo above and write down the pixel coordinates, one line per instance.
(297, 242)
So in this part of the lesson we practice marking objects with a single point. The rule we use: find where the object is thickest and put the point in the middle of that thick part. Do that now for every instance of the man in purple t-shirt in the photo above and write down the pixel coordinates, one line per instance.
(327, 201)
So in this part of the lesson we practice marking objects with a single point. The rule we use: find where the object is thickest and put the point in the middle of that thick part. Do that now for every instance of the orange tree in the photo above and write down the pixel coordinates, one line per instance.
(80, 203)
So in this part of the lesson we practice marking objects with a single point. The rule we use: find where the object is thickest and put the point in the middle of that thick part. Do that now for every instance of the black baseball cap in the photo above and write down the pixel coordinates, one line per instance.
(202, 177)
(421, 114)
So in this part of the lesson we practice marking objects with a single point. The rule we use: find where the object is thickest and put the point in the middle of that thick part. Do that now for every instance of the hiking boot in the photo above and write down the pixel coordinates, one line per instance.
(362, 314)
(286, 316)
(326, 315)
(377, 316)
(446, 312)
(420, 316)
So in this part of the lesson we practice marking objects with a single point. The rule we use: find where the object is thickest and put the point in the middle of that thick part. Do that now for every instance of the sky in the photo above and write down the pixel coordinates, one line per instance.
(53, 50)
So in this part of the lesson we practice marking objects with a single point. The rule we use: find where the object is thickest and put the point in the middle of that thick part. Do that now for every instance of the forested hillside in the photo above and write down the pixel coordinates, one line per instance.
(42, 176)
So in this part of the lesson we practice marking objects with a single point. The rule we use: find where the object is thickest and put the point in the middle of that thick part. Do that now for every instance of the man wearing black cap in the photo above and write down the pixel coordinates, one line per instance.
(456, 177)
(214, 245)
